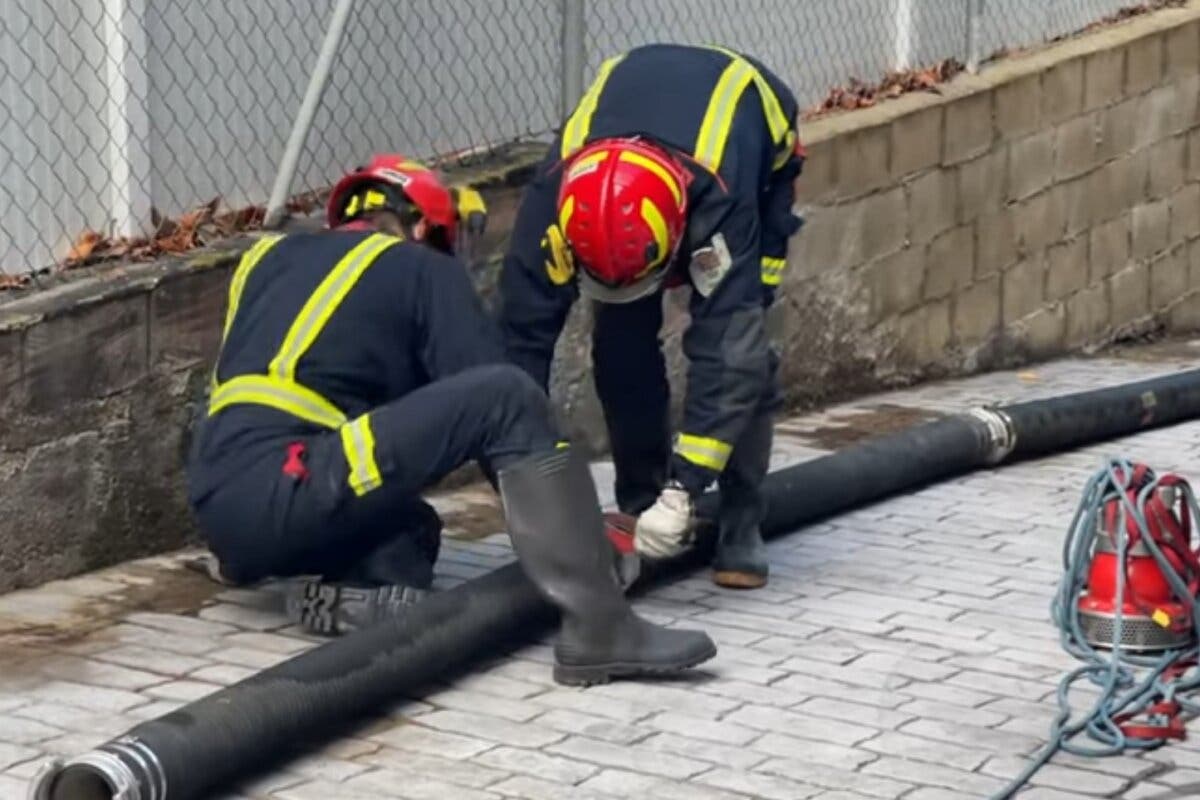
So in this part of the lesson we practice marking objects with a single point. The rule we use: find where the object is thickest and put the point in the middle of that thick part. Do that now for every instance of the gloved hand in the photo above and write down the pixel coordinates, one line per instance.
(666, 528)
(472, 211)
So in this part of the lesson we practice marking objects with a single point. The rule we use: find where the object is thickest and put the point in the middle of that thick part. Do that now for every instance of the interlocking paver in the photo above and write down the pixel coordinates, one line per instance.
(323, 790)
(916, 748)
(794, 724)
(97, 673)
(772, 695)
(12, 754)
(91, 698)
(528, 788)
(172, 665)
(698, 728)
(971, 736)
(669, 698)
(901, 650)
(947, 695)
(592, 727)
(933, 709)
(471, 774)
(714, 753)
(923, 774)
(432, 742)
(759, 785)
(491, 728)
(621, 783)
(848, 711)
(829, 778)
(810, 686)
(483, 703)
(27, 730)
(412, 786)
(632, 758)
(781, 746)
(539, 765)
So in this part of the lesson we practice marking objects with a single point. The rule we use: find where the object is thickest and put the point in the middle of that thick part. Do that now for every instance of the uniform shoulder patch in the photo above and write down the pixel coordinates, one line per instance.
(709, 265)
(560, 265)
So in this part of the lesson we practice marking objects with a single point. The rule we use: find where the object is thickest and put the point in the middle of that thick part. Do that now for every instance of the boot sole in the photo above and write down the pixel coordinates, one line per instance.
(316, 609)
(595, 674)
(731, 579)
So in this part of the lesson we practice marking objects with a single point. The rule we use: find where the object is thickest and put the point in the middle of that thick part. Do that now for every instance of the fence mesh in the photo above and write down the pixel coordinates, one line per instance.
(116, 114)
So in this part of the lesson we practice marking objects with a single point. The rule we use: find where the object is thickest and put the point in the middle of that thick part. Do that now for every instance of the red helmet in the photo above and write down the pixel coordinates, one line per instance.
(622, 208)
(393, 181)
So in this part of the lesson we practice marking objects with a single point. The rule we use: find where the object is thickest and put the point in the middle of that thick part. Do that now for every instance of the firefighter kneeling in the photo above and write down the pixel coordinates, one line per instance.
(357, 368)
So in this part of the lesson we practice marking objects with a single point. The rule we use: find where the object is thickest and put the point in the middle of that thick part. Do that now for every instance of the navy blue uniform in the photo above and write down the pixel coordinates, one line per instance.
(356, 369)
(732, 122)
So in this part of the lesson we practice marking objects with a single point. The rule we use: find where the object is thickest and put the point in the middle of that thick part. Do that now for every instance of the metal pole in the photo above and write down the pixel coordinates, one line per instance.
(277, 205)
(974, 34)
(573, 31)
(903, 42)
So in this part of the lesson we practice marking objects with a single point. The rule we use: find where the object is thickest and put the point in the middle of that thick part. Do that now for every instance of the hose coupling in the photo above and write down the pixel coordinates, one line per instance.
(1002, 437)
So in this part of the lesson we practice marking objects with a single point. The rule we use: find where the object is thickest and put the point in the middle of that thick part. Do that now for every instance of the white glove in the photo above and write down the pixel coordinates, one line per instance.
(665, 529)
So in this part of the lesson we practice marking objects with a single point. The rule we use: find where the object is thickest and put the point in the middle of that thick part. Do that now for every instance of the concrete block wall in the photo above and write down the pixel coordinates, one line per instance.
(1051, 203)
(1048, 204)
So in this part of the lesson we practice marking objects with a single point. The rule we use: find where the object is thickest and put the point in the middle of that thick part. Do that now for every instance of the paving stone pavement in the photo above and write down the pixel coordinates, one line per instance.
(900, 651)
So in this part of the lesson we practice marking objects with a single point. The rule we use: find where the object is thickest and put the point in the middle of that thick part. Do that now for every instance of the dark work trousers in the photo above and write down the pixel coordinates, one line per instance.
(266, 522)
(631, 381)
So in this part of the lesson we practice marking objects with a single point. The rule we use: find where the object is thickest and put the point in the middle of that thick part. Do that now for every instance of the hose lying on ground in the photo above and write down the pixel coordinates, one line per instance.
(241, 729)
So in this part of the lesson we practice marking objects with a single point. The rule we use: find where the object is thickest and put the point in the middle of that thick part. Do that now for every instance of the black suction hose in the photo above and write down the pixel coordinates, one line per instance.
(238, 730)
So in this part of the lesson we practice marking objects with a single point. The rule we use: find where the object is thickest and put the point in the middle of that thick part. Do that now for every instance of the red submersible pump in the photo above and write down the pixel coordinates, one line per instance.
(1156, 580)
(1126, 608)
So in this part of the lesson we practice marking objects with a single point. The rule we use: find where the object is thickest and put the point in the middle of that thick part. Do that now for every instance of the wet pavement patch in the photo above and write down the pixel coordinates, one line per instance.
(30, 622)
(865, 423)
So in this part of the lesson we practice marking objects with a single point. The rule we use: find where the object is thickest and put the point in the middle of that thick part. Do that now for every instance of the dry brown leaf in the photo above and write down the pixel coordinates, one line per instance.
(85, 245)
(857, 94)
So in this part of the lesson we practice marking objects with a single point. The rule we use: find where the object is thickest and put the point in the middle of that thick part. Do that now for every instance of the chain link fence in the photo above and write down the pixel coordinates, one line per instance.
(118, 114)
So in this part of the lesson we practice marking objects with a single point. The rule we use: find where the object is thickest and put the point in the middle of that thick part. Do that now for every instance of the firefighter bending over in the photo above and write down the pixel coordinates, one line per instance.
(357, 368)
(677, 167)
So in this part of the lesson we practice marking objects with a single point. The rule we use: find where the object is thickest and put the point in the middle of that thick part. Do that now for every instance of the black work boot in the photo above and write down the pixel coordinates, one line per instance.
(740, 561)
(557, 529)
(379, 583)
(327, 608)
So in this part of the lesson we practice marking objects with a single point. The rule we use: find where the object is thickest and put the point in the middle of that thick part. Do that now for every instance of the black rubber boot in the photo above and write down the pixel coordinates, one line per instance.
(557, 529)
(380, 583)
(741, 558)
(325, 608)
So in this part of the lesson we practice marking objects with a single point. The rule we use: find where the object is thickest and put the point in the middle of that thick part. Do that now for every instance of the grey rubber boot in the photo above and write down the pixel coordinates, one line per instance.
(557, 529)
(740, 561)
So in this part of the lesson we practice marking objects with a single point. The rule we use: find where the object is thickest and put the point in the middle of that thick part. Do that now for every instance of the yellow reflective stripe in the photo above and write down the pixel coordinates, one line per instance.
(264, 390)
(358, 444)
(772, 270)
(564, 214)
(576, 130)
(718, 118)
(247, 264)
(562, 444)
(704, 451)
(324, 301)
(580, 166)
(654, 218)
(667, 178)
(784, 151)
(777, 121)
